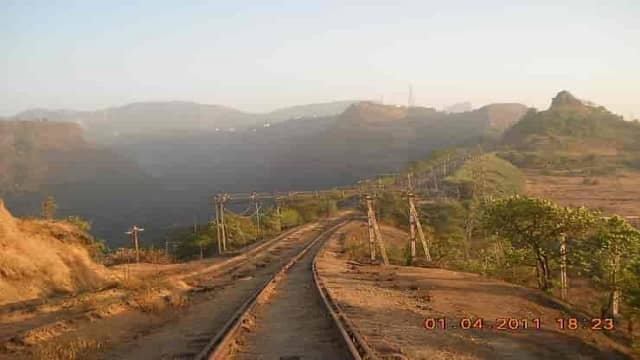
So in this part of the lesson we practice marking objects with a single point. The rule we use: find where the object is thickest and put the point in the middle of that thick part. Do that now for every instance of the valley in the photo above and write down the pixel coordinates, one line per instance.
(487, 205)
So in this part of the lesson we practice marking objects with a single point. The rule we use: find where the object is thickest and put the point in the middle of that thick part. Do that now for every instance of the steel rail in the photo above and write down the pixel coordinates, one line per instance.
(218, 346)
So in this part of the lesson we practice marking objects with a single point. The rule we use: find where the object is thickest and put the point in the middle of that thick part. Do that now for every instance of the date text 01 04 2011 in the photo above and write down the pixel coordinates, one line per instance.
(507, 323)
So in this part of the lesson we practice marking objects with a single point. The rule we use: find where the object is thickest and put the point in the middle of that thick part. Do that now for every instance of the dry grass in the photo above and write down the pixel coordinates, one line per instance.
(354, 238)
(609, 194)
(75, 349)
(41, 258)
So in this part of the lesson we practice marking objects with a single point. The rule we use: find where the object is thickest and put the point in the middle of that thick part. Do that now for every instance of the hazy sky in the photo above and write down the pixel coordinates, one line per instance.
(259, 55)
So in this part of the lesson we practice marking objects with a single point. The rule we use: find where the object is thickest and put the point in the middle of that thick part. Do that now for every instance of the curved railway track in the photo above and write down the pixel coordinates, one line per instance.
(218, 289)
(292, 316)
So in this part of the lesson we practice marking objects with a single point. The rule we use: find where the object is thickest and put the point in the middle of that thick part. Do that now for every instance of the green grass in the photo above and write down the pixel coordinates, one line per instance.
(500, 176)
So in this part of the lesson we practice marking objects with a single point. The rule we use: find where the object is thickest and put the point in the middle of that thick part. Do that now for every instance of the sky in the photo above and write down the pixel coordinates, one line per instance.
(260, 55)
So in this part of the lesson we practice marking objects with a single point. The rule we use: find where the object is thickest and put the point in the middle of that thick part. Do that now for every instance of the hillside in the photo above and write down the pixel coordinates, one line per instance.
(40, 158)
(572, 133)
(307, 111)
(111, 187)
(571, 125)
(37, 153)
(365, 139)
(62, 263)
(498, 177)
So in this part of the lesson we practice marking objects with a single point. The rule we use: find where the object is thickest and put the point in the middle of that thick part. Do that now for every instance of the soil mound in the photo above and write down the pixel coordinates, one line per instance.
(39, 258)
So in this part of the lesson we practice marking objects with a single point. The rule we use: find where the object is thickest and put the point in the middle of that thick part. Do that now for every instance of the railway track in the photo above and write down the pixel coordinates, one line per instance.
(219, 289)
(291, 316)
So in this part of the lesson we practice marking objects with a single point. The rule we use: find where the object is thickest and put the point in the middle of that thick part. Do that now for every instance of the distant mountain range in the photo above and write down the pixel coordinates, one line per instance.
(170, 119)
(157, 164)
(459, 107)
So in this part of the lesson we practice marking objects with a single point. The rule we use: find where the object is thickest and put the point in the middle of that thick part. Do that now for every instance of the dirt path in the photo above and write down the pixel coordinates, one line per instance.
(294, 323)
(389, 306)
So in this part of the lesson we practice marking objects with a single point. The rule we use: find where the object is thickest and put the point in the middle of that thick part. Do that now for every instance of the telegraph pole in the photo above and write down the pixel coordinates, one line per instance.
(225, 197)
(372, 247)
(412, 223)
(412, 232)
(413, 214)
(564, 283)
(254, 198)
(216, 200)
(134, 237)
(221, 227)
(375, 229)
(278, 215)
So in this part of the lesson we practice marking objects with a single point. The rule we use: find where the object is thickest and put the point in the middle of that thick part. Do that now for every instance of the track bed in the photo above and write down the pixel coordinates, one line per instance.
(293, 323)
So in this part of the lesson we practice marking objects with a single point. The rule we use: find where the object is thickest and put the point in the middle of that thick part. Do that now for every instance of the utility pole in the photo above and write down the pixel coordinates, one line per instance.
(223, 224)
(218, 226)
(412, 232)
(372, 247)
(564, 283)
(412, 223)
(373, 225)
(413, 214)
(220, 199)
(254, 198)
(278, 215)
(134, 237)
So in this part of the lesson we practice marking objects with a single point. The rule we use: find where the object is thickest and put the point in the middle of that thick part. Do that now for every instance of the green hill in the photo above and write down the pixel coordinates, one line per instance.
(570, 121)
(572, 135)
(490, 174)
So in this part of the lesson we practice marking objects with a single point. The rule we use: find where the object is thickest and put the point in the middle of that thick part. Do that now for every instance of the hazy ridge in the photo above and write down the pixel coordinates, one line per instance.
(166, 160)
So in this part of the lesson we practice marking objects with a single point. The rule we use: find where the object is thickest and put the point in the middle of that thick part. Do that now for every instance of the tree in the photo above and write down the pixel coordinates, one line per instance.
(538, 225)
(49, 208)
(202, 241)
(611, 256)
(444, 221)
(290, 218)
(80, 223)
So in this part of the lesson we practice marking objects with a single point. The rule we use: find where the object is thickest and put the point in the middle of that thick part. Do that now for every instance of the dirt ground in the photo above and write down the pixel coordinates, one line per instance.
(609, 194)
(156, 313)
(389, 306)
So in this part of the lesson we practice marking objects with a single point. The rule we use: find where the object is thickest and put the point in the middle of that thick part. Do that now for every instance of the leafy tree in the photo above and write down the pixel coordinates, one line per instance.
(538, 225)
(202, 241)
(612, 257)
(290, 217)
(444, 221)
(314, 208)
(393, 209)
(80, 223)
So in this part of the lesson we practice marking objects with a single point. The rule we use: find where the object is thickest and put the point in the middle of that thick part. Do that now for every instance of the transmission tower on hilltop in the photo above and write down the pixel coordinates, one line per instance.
(411, 101)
